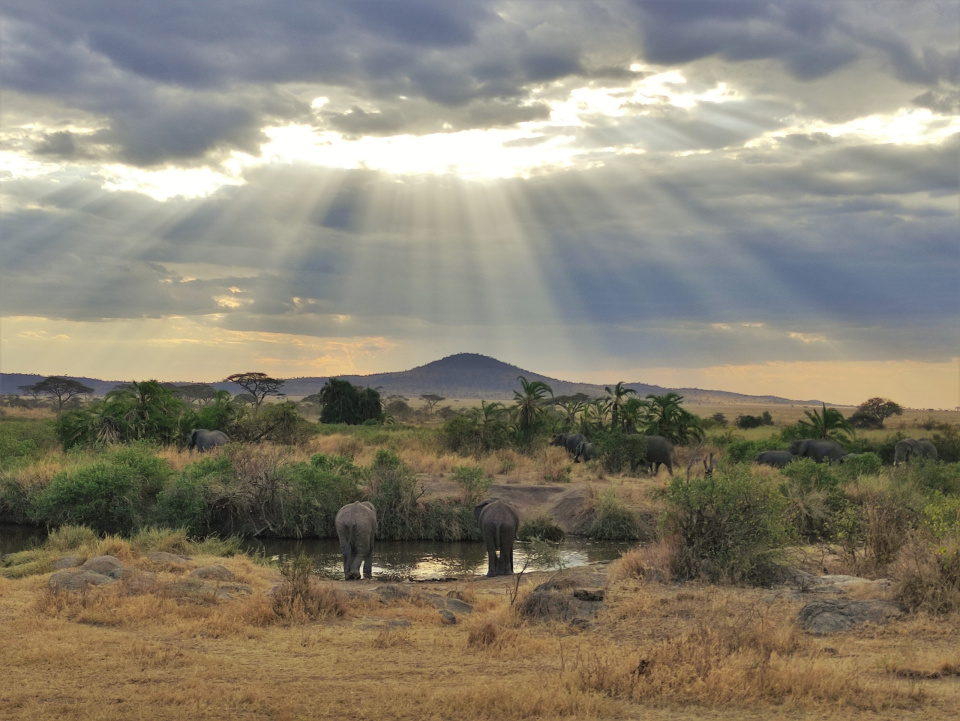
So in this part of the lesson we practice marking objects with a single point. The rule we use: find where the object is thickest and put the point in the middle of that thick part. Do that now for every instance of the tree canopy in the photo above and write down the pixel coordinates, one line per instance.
(63, 389)
(259, 385)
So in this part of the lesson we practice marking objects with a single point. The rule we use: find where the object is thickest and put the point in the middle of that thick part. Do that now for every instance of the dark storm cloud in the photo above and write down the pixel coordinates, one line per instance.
(186, 82)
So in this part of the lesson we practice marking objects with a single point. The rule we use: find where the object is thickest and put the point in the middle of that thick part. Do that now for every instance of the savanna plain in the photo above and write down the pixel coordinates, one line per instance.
(697, 620)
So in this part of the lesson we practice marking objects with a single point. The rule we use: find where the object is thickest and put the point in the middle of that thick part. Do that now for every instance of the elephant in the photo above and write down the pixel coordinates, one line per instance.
(356, 528)
(659, 453)
(777, 459)
(498, 525)
(585, 451)
(820, 450)
(911, 448)
(570, 441)
(204, 439)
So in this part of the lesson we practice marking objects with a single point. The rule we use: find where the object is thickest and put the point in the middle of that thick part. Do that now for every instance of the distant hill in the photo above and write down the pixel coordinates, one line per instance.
(464, 375)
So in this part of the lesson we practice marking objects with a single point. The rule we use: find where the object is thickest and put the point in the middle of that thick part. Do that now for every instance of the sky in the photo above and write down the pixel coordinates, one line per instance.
(760, 196)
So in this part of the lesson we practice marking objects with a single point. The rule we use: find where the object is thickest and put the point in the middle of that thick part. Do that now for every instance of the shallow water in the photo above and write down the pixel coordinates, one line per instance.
(420, 560)
(424, 560)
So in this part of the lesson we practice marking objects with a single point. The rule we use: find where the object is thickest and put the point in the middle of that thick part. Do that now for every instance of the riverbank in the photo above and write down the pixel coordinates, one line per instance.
(635, 648)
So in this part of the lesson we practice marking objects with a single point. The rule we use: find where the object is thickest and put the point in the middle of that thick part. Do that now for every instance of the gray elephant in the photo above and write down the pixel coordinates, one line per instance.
(356, 528)
(204, 440)
(818, 449)
(777, 459)
(571, 441)
(911, 448)
(585, 451)
(498, 525)
(659, 453)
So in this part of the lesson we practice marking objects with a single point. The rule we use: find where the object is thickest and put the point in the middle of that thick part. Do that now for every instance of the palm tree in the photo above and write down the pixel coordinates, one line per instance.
(615, 402)
(529, 408)
(633, 413)
(667, 418)
(488, 421)
(829, 424)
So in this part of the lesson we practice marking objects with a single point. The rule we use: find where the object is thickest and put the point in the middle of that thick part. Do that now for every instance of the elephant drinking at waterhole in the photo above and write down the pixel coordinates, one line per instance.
(498, 525)
(356, 528)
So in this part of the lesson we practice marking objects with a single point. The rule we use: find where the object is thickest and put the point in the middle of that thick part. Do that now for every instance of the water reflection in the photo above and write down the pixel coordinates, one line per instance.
(425, 560)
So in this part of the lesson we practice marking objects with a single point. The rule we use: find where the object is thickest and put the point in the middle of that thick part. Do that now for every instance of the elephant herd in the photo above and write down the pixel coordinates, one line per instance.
(356, 525)
(659, 450)
(827, 451)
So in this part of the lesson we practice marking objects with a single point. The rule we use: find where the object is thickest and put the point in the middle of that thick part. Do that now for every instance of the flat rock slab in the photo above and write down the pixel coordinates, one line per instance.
(559, 600)
(78, 579)
(836, 615)
(101, 564)
(213, 573)
(66, 562)
(398, 592)
(167, 558)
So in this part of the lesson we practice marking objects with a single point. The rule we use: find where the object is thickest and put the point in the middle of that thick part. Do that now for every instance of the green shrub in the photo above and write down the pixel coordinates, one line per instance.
(727, 526)
(186, 503)
(612, 521)
(393, 492)
(448, 520)
(103, 496)
(934, 475)
(808, 475)
(863, 464)
(740, 451)
(619, 452)
(474, 483)
(152, 473)
(317, 491)
(947, 442)
(542, 527)
(941, 516)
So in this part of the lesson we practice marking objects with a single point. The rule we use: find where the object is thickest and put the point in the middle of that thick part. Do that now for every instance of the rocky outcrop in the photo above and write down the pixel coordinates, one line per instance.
(825, 616)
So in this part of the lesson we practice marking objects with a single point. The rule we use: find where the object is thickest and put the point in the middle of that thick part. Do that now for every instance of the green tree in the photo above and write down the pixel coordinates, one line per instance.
(666, 417)
(199, 393)
(145, 411)
(259, 385)
(341, 402)
(828, 424)
(63, 389)
(616, 397)
(529, 408)
(872, 413)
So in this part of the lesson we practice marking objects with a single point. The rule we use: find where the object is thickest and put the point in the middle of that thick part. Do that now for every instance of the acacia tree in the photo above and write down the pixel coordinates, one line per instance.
(63, 389)
(259, 385)
(872, 413)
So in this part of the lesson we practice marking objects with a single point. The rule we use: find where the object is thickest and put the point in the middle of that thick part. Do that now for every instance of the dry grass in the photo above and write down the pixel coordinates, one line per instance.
(656, 651)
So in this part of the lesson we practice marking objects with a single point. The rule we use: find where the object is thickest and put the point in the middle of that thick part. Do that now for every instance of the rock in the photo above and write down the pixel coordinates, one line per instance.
(448, 618)
(121, 572)
(552, 601)
(194, 589)
(101, 564)
(140, 582)
(66, 562)
(834, 615)
(78, 579)
(213, 573)
(167, 558)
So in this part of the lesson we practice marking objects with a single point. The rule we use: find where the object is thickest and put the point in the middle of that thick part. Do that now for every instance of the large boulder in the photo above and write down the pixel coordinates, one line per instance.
(213, 573)
(101, 564)
(835, 615)
(78, 579)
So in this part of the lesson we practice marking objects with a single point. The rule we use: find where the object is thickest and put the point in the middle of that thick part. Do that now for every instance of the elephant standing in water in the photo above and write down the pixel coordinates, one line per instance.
(819, 450)
(910, 448)
(203, 439)
(498, 525)
(356, 528)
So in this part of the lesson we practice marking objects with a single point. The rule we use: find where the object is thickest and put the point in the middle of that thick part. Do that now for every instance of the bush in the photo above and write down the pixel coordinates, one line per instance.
(542, 527)
(934, 476)
(393, 492)
(728, 526)
(947, 442)
(740, 451)
(619, 452)
(613, 521)
(808, 475)
(863, 464)
(929, 577)
(102, 496)
(474, 483)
